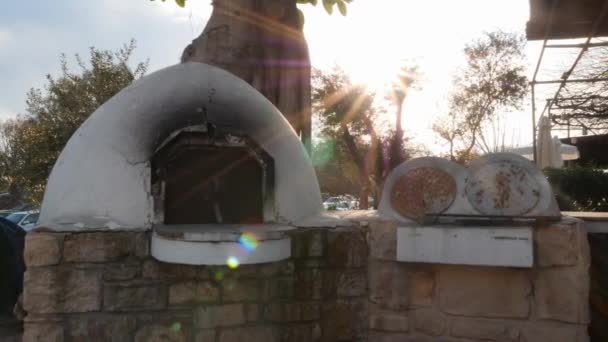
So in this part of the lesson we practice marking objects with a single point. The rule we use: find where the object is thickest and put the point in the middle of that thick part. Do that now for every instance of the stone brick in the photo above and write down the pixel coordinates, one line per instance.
(429, 321)
(388, 321)
(292, 312)
(347, 248)
(158, 333)
(375, 336)
(43, 332)
(207, 335)
(133, 297)
(101, 328)
(390, 285)
(308, 284)
(61, 290)
(42, 249)
(193, 292)
(352, 283)
(285, 267)
(121, 271)
(383, 240)
(422, 288)
(253, 312)
(249, 334)
(308, 243)
(559, 244)
(142, 245)
(484, 329)
(484, 291)
(96, 247)
(535, 332)
(299, 333)
(562, 294)
(237, 290)
(278, 288)
(214, 316)
(157, 270)
(350, 319)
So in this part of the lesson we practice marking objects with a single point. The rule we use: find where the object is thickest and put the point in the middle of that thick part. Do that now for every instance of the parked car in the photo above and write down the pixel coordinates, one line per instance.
(24, 219)
(5, 213)
(12, 239)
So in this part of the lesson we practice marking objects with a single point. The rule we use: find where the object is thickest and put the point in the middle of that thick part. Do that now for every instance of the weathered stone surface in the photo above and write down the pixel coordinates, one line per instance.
(142, 245)
(352, 283)
(307, 243)
(159, 333)
(60, 289)
(207, 335)
(101, 328)
(376, 336)
(423, 287)
(238, 290)
(558, 244)
(485, 329)
(43, 332)
(253, 312)
(388, 321)
(536, 331)
(153, 269)
(249, 334)
(133, 297)
(96, 247)
(350, 319)
(383, 240)
(193, 292)
(121, 271)
(284, 268)
(484, 291)
(308, 284)
(390, 285)
(429, 321)
(562, 294)
(299, 333)
(220, 316)
(278, 288)
(347, 248)
(42, 249)
(292, 312)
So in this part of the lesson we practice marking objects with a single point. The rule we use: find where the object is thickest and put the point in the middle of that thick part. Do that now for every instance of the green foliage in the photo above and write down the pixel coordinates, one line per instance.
(328, 5)
(492, 81)
(580, 188)
(31, 144)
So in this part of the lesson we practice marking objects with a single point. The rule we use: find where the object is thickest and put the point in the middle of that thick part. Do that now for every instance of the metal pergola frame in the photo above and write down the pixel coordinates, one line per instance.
(565, 79)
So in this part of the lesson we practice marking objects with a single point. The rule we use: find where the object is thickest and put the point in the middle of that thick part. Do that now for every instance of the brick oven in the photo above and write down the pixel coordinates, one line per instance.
(186, 209)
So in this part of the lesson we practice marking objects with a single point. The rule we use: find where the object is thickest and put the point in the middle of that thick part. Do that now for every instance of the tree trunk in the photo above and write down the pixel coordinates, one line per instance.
(261, 41)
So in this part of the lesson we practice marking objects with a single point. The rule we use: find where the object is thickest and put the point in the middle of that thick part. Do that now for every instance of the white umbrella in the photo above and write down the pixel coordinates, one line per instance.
(545, 154)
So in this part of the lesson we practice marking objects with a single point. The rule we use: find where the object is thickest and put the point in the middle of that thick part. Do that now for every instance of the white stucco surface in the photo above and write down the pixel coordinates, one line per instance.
(488, 246)
(103, 175)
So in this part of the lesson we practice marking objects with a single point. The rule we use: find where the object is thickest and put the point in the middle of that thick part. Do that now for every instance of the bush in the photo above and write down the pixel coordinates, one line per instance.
(580, 188)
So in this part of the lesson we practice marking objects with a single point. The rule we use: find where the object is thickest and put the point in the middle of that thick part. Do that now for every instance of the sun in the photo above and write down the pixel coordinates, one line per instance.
(378, 75)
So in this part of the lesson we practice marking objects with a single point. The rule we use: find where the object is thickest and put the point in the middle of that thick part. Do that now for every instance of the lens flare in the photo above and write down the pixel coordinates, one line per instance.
(248, 241)
(177, 326)
(232, 262)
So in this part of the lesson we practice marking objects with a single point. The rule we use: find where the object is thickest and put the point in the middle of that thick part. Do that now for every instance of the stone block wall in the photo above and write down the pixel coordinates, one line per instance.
(341, 284)
(432, 302)
(104, 286)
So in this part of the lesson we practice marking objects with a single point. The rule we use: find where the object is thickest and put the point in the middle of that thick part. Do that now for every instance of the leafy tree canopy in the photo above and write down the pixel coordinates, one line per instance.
(30, 144)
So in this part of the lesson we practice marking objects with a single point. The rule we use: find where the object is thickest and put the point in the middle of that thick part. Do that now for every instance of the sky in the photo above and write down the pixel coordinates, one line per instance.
(369, 43)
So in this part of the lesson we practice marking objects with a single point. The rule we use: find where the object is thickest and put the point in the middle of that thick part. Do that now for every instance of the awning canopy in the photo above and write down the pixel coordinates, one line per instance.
(568, 19)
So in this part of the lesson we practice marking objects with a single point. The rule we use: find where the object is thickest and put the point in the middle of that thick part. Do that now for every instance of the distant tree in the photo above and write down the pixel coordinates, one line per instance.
(407, 77)
(493, 81)
(346, 115)
(30, 144)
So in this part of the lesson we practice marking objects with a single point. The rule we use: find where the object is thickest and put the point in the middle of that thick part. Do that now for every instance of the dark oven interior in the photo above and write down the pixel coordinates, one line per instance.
(202, 178)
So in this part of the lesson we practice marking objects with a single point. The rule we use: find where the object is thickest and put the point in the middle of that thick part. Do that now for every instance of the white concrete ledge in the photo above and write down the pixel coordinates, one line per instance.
(487, 246)
(218, 253)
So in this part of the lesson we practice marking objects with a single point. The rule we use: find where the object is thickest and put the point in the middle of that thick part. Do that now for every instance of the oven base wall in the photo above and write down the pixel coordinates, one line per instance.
(341, 284)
